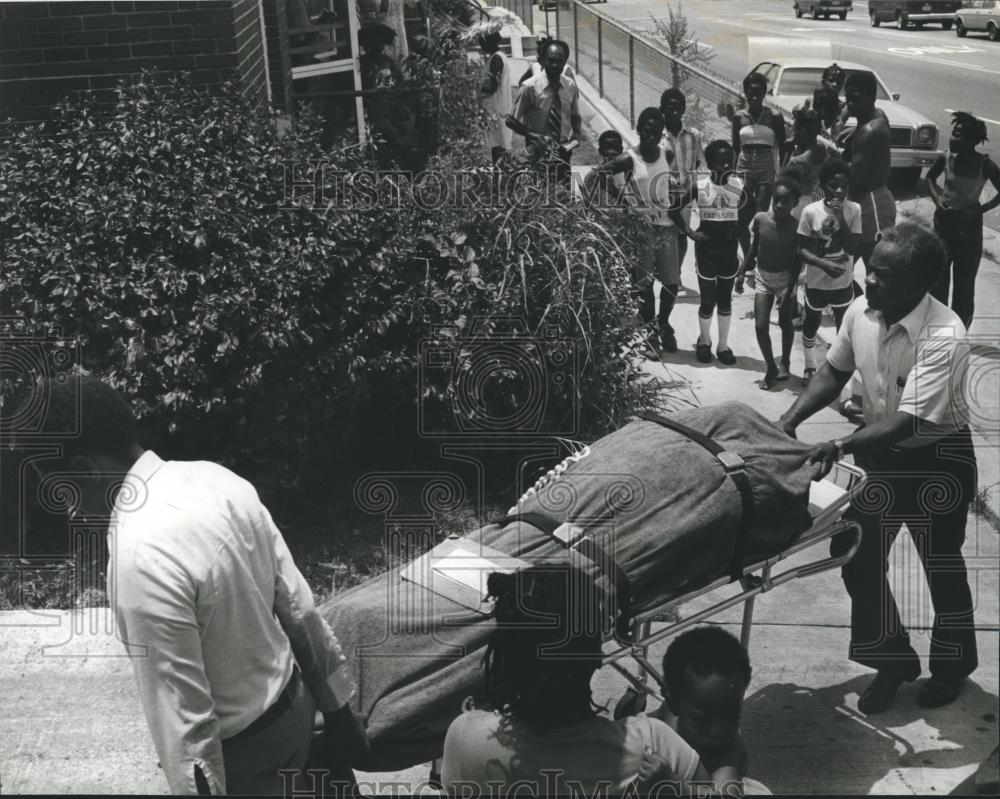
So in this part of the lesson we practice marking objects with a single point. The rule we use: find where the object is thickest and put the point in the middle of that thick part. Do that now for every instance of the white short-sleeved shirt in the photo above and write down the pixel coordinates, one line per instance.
(819, 224)
(599, 757)
(917, 365)
(535, 100)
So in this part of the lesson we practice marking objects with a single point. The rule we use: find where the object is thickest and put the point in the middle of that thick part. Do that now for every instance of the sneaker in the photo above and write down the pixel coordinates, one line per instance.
(851, 411)
(881, 692)
(703, 352)
(726, 356)
(937, 692)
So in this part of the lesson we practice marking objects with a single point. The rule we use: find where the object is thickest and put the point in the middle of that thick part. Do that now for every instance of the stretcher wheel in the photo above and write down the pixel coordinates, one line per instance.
(631, 703)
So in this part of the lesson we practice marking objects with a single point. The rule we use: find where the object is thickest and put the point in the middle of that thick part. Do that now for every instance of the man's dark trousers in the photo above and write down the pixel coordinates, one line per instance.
(929, 490)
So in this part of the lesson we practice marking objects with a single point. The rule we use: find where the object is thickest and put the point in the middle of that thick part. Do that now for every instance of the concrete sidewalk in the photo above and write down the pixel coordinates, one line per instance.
(70, 720)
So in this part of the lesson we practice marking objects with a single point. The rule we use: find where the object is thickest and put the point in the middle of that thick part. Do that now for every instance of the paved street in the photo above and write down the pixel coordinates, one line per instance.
(932, 69)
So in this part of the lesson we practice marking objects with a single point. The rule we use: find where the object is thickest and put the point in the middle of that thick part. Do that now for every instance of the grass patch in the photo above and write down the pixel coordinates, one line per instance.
(335, 548)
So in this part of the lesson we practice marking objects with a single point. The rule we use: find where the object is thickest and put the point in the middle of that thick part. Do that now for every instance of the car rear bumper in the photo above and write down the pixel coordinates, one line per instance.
(939, 16)
(906, 157)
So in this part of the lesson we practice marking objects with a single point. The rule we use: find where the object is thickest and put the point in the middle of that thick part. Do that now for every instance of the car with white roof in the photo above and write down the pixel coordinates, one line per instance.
(914, 138)
(979, 16)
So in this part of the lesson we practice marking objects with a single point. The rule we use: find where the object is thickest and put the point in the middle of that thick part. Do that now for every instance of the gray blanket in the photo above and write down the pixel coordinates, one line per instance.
(670, 518)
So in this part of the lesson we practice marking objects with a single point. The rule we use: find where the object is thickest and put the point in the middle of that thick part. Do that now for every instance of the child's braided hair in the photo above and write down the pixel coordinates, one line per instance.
(550, 623)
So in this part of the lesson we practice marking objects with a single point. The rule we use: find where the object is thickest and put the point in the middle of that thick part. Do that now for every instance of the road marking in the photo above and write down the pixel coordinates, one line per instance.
(985, 119)
(937, 49)
(970, 67)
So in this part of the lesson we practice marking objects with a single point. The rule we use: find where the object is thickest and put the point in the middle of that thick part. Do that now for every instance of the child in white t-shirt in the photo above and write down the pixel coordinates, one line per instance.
(829, 230)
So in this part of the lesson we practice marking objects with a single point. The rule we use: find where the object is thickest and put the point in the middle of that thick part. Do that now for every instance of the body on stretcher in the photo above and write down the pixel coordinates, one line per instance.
(828, 500)
(659, 511)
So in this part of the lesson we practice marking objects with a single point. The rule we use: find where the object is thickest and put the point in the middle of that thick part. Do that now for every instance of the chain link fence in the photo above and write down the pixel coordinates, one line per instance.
(631, 70)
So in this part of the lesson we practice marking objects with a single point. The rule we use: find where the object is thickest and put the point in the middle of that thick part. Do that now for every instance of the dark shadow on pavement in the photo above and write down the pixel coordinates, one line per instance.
(809, 741)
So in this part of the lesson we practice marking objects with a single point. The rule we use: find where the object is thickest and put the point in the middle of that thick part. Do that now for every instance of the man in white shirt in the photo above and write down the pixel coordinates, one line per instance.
(231, 658)
(547, 111)
(916, 446)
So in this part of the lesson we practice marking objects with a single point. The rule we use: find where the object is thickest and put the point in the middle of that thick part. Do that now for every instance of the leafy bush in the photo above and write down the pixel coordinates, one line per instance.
(285, 339)
(433, 108)
(156, 235)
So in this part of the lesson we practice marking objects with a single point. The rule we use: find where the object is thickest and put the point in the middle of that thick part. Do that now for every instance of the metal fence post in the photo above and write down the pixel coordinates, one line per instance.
(600, 60)
(576, 41)
(631, 79)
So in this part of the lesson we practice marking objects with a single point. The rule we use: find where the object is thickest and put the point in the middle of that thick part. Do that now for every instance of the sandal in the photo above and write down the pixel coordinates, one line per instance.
(807, 375)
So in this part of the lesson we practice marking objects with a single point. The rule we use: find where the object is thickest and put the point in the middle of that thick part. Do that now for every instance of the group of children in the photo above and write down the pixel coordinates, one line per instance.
(786, 222)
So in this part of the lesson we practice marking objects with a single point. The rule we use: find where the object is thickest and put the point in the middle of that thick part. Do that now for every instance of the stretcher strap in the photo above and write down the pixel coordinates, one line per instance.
(595, 553)
(734, 467)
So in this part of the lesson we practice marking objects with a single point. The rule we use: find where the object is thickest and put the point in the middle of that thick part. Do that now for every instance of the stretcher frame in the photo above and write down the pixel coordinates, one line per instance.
(757, 579)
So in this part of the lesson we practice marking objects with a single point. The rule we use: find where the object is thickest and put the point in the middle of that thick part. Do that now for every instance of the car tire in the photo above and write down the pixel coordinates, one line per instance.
(842, 15)
(902, 23)
(993, 32)
(946, 24)
(960, 30)
(873, 18)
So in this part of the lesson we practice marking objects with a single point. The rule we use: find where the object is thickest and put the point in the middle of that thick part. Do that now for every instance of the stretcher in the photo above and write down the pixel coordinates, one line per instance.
(828, 501)
(660, 512)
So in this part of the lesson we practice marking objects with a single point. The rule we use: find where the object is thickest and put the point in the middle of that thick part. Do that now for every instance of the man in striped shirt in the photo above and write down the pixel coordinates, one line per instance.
(547, 110)
(685, 143)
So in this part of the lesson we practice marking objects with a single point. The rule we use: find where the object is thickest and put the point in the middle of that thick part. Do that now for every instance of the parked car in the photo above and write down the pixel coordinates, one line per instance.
(913, 12)
(979, 15)
(823, 8)
(914, 138)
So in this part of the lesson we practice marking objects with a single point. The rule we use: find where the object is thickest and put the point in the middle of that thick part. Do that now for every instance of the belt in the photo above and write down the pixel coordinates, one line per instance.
(734, 468)
(280, 706)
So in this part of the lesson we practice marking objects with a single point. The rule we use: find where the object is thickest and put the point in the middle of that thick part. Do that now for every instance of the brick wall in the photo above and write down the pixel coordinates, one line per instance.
(51, 50)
